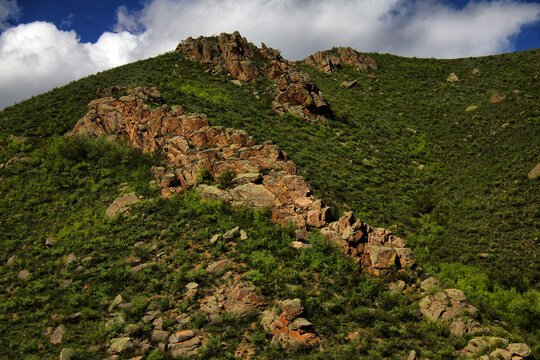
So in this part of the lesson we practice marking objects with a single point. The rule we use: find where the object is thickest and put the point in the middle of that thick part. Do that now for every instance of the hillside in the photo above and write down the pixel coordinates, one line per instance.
(401, 148)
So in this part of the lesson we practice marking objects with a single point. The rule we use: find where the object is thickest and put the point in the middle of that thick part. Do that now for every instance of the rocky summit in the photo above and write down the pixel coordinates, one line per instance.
(232, 54)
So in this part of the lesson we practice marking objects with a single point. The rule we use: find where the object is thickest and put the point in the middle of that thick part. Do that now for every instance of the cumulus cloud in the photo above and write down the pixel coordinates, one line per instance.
(9, 10)
(38, 56)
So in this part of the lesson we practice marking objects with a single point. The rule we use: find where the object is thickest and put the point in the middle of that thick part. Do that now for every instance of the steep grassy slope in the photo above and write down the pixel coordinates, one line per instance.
(472, 198)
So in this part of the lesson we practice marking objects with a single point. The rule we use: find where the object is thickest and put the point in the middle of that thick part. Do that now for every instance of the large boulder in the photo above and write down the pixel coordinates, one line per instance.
(288, 328)
(121, 204)
(445, 305)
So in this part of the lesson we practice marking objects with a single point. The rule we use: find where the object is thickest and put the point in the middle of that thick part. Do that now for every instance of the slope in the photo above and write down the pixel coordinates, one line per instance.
(445, 217)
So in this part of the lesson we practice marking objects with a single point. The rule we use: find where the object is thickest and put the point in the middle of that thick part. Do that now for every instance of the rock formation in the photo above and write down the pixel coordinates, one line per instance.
(262, 175)
(331, 60)
(199, 155)
(287, 327)
(233, 54)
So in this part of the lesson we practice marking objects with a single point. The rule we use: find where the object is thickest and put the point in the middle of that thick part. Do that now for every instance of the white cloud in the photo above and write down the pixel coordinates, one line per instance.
(8, 10)
(36, 57)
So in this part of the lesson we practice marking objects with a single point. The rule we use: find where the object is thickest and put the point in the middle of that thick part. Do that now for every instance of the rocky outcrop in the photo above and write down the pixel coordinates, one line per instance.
(376, 249)
(236, 299)
(262, 174)
(233, 54)
(288, 328)
(445, 305)
(331, 60)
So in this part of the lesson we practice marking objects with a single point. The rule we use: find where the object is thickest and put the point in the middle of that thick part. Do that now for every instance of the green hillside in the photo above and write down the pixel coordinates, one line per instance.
(401, 151)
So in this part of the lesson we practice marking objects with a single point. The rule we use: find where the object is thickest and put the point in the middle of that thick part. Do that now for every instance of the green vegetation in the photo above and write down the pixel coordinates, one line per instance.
(62, 193)
(470, 214)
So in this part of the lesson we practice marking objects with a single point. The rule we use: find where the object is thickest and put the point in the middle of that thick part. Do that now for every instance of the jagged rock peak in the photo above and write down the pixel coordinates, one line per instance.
(330, 60)
(232, 53)
(295, 91)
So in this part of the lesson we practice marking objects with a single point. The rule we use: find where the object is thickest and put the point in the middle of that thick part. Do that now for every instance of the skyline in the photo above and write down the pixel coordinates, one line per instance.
(44, 46)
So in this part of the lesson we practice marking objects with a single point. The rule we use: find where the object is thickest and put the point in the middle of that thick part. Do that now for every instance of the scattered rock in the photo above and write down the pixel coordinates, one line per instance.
(117, 301)
(215, 238)
(23, 274)
(67, 354)
(137, 268)
(121, 204)
(502, 354)
(243, 235)
(70, 258)
(412, 355)
(430, 283)
(452, 77)
(11, 260)
(397, 287)
(191, 290)
(471, 108)
(131, 329)
(348, 84)
(520, 349)
(475, 71)
(445, 305)
(505, 125)
(241, 299)
(120, 345)
(219, 266)
(236, 82)
(160, 336)
(535, 172)
(49, 242)
(57, 335)
(287, 328)
(496, 98)
(231, 234)
(300, 245)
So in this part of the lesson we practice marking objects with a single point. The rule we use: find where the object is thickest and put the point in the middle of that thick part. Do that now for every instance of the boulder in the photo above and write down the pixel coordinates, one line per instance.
(535, 172)
(121, 204)
(287, 328)
(501, 354)
(160, 336)
(444, 305)
(57, 335)
(120, 345)
(67, 354)
(23, 274)
(452, 78)
(430, 283)
(348, 84)
(520, 349)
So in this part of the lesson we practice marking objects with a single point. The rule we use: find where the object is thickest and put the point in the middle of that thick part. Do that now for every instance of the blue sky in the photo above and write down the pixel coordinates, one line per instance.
(44, 44)
(91, 18)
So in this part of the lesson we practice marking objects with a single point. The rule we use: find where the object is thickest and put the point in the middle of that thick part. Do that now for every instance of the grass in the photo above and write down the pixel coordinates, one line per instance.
(472, 197)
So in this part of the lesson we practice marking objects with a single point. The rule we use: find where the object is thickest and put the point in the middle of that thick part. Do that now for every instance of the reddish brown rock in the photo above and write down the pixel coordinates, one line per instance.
(331, 60)
(191, 145)
(288, 328)
(233, 54)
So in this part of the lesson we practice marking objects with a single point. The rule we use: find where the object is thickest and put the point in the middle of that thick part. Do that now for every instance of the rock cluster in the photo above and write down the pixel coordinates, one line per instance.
(502, 349)
(233, 54)
(376, 249)
(331, 60)
(262, 176)
(287, 327)
(236, 299)
(445, 305)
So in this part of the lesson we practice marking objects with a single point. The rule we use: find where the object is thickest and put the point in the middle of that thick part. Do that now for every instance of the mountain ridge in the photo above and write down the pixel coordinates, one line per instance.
(266, 92)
